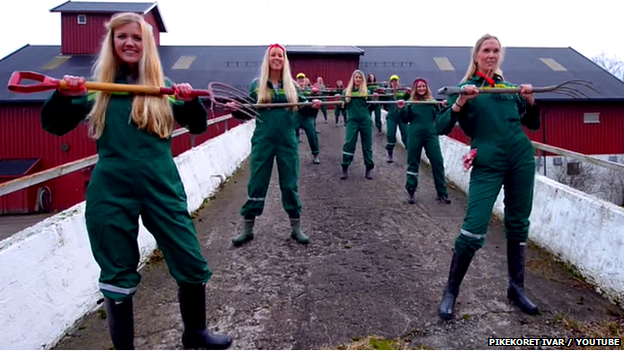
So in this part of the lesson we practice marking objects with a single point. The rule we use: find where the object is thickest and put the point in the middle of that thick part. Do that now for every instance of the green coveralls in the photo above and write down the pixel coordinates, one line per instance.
(505, 157)
(135, 175)
(339, 110)
(393, 120)
(274, 138)
(421, 132)
(358, 121)
(377, 109)
(306, 121)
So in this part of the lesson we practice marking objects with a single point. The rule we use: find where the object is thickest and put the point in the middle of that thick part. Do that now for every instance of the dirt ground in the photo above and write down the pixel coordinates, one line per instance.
(375, 266)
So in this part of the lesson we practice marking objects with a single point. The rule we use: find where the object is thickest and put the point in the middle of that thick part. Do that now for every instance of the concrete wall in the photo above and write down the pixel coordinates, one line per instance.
(48, 274)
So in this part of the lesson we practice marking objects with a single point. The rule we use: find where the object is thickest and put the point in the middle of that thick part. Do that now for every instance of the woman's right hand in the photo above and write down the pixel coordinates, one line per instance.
(400, 103)
(74, 86)
(470, 92)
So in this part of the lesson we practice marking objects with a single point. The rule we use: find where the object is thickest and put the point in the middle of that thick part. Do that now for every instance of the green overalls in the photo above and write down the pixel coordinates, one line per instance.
(377, 107)
(274, 138)
(393, 120)
(421, 133)
(359, 121)
(306, 121)
(505, 156)
(339, 110)
(135, 176)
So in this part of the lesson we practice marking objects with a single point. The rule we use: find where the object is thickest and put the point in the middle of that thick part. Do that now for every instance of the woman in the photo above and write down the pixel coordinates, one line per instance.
(504, 157)
(393, 121)
(307, 123)
(371, 83)
(274, 138)
(340, 110)
(421, 133)
(321, 90)
(136, 175)
(358, 122)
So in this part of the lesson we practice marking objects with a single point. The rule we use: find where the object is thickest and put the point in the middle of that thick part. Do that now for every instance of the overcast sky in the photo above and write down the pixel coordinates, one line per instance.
(589, 27)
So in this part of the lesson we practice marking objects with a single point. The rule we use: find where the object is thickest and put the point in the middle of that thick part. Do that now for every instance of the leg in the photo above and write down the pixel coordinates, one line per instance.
(324, 111)
(366, 131)
(518, 203)
(434, 153)
(403, 129)
(348, 150)
(485, 184)
(288, 170)
(414, 151)
(310, 131)
(391, 129)
(378, 118)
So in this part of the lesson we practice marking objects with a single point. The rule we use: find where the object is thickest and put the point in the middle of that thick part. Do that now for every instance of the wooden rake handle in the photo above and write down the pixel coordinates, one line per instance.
(290, 104)
(45, 83)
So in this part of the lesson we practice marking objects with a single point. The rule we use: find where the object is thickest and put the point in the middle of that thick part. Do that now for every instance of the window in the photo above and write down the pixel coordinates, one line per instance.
(613, 158)
(557, 161)
(574, 168)
(82, 19)
(591, 117)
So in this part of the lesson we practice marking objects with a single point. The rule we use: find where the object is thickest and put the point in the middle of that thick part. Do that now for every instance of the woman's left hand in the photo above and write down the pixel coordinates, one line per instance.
(183, 91)
(316, 103)
(526, 91)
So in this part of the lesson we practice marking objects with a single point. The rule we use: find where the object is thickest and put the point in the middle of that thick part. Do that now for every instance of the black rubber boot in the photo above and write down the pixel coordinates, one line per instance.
(444, 199)
(368, 172)
(345, 172)
(459, 267)
(410, 196)
(120, 323)
(390, 153)
(193, 309)
(297, 233)
(516, 258)
(247, 234)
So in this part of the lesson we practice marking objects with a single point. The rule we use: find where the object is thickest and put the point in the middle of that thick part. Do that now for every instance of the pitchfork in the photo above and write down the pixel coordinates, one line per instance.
(565, 88)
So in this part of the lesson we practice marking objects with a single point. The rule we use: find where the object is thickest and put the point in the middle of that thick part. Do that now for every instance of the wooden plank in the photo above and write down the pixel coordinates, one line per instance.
(578, 156)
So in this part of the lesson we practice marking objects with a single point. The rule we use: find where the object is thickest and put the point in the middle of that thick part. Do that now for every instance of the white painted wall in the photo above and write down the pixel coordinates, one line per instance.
(49, 279)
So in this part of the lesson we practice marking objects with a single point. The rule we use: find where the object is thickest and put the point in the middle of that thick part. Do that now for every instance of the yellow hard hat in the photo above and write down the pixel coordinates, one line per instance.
(393, 77)
(300, 75)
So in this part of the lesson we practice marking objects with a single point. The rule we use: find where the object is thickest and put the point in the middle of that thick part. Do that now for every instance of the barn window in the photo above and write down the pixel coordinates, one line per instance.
(591, 117)
(554, 65)
(444, 64)
(184, 62)
(82, 19)
(574, 168)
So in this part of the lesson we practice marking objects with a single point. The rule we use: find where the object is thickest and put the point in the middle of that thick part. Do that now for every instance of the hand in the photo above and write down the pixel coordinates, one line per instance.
(316, 103)
(315, 90)
(527, 93)
(74, 86)
(375, 96)
(468, 159)
(470, 92)
(408, 91)
(183, 91)
(400, 103)
(233, 106)
(337, 97)
(444, 102)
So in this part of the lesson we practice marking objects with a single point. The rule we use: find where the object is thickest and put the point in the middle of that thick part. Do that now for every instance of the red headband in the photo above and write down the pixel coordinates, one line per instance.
(420, 80)
(277, 46)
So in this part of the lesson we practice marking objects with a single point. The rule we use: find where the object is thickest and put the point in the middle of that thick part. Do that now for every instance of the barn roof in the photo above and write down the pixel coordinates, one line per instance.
(84, 7)
(238, 65)
(324, 50)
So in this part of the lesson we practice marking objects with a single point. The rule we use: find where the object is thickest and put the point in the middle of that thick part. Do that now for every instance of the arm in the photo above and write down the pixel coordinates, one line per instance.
(447, 117)
(405, 114)
(307, 111)
(529, 114)
(61, 114)
(191, 115)
(253, 95)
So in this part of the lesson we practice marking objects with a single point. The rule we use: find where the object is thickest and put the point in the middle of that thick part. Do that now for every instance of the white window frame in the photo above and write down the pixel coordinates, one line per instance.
(591, 117)
(83, 18)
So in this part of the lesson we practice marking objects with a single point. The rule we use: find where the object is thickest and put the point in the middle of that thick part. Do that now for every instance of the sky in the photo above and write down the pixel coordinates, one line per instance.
(591, 28)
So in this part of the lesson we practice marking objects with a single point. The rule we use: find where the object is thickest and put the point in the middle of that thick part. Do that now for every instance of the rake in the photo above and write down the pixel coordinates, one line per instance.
(568, 88)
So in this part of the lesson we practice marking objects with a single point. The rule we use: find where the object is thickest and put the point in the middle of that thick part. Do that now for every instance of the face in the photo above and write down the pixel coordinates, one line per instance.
(128, 42)
(488, 55)
(394, 83)
(301, 81)
(421, 88)
(371, 78)
(276, 59)
(357, 80)
(339, 83)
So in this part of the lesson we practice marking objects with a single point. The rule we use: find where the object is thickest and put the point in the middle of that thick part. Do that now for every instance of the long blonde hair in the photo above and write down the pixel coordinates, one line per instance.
(472, 68)
(264, 93)
(152, 113)
(363, 91)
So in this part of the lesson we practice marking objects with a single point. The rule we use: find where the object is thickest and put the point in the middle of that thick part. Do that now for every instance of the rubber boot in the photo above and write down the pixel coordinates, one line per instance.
(390, 152)
(247, 234)
(459, 267)
(316, 160)
(192, 299)
(444, 199)
(410, 196)
(516, 258)
(297, 234)
(368, 172)
(120, 323)
(345, 172)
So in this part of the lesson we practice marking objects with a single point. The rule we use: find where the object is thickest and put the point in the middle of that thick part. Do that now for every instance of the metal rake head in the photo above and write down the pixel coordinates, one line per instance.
(221, 94)
(573, 87)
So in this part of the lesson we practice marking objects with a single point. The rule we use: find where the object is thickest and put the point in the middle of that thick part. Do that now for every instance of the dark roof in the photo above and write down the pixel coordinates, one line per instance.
(324, 50)
(239, 65)
(112, 7)
(520, 65)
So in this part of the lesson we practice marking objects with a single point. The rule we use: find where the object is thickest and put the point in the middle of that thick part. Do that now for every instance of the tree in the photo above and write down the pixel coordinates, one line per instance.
(613, 64)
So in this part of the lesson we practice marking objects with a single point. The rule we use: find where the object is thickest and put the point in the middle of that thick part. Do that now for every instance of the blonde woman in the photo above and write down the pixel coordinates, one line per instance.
(504, 157)
(358, 122)
(136, 175)
(274, 139)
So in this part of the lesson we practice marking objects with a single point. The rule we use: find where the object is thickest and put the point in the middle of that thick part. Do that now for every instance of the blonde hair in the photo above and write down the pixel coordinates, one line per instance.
(472, 68)
(363, 91)
(428, 95)
(152, 113)
(288, 83)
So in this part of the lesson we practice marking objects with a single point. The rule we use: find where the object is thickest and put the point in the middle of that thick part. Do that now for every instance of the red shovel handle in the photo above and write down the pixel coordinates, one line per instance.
(45, 82)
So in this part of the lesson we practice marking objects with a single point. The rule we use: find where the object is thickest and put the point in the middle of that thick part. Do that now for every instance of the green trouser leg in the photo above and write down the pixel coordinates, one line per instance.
(519, 183)
(309, 127)
(403, 128)
(434, 154)
(287, 157)
(260, 169)
(324, 112)
(378, 117)
(348, 149)
(391, 128)
(366, 131)
(414, 152)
